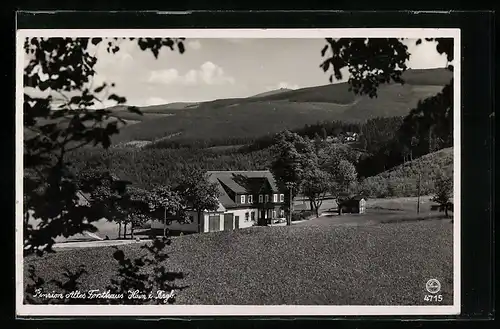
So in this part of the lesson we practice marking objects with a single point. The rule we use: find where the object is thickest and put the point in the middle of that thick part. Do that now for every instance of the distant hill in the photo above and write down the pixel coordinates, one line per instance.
(269, 113)
(272, 92)
(402, 180)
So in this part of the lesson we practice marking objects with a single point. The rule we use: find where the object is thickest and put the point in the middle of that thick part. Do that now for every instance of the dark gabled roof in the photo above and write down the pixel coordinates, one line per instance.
(358, 197)
(241, 182)
(355, 198)
(224, 198)
(244, 181)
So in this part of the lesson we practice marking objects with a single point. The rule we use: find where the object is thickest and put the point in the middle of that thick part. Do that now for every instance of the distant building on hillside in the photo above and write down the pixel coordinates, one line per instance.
(351, 137)
(247, 198)
(353, 205)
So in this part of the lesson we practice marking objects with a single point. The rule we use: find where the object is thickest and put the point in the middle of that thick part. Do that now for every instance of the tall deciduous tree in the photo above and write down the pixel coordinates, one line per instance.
(166, 199)
(198, 193)
(100, 190)
(443, 192)
(136, 204)
(337, 162)
(317, 183)
(293, 154)
(344, 174)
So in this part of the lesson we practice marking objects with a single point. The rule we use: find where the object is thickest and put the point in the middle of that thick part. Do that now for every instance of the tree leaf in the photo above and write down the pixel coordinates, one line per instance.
(100, 88)
(96, 41)
(134, 109)
(118, 99)
(323, 51)
(119, 255)
(180, 45)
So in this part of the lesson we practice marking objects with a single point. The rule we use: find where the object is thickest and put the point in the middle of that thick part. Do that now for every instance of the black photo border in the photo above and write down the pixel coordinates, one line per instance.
(477, 128)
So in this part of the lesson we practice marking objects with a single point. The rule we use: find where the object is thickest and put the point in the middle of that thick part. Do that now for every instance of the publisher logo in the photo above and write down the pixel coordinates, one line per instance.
(433, 286)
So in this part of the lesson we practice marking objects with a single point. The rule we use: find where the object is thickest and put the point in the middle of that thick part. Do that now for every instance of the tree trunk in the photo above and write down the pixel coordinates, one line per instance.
(199, 222)
(119, 230)
(289, 220)
(125, 230)
(165, 223)
(316, 210)
(132, 231)
(446, 210)
(418, 192)
(311, 205)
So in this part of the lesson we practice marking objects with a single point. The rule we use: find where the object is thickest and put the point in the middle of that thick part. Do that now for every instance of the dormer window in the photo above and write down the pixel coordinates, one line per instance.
(282, 198)
(267, 198)
(243, 198)
(275, 198)
(261, 198)
(250, 199)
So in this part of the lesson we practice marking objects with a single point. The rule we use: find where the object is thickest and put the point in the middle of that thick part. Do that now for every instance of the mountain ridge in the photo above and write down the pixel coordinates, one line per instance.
(287, 109)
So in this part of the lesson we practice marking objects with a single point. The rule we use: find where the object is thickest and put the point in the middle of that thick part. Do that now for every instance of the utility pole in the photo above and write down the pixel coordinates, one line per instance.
(419, 182)
(165, 222)
(418, 192)
(290, 206)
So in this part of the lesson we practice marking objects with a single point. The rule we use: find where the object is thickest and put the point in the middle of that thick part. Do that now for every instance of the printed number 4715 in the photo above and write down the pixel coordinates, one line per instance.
(433, 298)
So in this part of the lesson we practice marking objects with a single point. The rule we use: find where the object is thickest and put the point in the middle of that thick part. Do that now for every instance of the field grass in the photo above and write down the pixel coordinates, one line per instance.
(258, 116)
(389, 207)
(407, 204)
(320, 263)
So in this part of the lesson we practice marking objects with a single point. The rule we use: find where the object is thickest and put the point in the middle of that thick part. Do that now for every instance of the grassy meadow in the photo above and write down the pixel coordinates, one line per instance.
(364, 264)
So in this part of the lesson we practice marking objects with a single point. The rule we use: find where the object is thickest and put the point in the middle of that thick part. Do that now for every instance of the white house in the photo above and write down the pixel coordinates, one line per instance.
(246, 198)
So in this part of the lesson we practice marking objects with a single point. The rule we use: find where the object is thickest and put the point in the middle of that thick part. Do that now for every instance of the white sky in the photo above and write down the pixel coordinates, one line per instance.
(224, 68)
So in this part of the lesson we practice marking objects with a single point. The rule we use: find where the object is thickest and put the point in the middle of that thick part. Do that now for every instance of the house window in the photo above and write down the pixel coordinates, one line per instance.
(267, 198)
(250, 198)
(282, 213)
(282, 198)
(274, 213)
(252, 215)
(261, 197)
(275, 198)
(242, 199)
(191, 218)
(247, 216)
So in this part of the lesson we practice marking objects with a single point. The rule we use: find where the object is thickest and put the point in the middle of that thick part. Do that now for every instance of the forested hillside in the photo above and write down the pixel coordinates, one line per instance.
(237, 134)
(273, 112)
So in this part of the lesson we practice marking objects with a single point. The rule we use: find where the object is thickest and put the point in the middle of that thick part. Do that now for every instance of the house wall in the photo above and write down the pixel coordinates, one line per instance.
(193, 226)
(280, 198)
(207, 215)
(242, 219)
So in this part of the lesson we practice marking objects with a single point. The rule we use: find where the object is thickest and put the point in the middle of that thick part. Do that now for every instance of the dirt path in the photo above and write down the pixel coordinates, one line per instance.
(91, 244)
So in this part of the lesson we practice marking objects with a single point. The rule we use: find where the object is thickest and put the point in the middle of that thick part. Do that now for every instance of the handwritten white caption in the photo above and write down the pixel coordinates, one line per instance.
(98, 294)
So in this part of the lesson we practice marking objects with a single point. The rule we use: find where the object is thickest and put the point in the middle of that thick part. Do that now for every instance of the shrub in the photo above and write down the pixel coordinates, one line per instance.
(443, 192)
(302, 215)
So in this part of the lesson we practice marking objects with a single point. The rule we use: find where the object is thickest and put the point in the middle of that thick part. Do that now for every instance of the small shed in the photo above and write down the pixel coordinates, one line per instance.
(354, 205)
